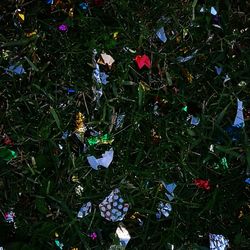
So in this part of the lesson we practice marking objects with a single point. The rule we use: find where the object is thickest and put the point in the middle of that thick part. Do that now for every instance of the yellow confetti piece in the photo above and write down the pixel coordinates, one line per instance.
(144, 86)
(187, 75)
(115, 35)
(80, 127)
(161, 187)
(178, 38)
(184, 32)
(241, 215)
(21, 16)
(184, 50)
(71, 12)
(30, 34)
(75, 178)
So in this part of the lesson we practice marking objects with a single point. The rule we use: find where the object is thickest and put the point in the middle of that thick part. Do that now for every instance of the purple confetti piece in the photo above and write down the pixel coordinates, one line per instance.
(218, 70)
(63, 27)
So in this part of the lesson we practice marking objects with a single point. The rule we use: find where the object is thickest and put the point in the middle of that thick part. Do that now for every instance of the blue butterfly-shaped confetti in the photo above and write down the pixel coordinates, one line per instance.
(170, 190)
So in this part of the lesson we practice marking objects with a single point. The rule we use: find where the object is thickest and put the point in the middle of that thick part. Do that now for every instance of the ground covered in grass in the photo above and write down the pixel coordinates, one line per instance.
(168, 109)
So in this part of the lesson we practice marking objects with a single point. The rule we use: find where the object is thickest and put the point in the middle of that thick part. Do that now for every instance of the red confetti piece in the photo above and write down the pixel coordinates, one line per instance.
(98, 2)
(7, 140)
(202, 183)
(143, 61)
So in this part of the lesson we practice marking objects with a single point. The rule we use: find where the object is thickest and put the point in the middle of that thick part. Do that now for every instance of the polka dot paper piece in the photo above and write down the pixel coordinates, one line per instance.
(113, 208)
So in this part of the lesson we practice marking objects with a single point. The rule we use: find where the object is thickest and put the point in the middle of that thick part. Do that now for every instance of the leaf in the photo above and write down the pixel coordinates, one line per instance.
(228, 150)
(141, 95)
(41, 206)
(222, 114)
(21, 42)
(169, 79)
(194, 3)
(33, 66)
(56, 118)
(193, 7)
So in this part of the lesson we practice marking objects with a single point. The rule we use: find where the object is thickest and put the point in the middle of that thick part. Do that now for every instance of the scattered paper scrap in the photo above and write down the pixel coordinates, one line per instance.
(84, 6)
(143, 61)
(100, 139)
(106, 59)
(204, 184)
(218, 70)
(15, 69)
(130, 50)
(96, 74)
(170, 190)
(163, 209)
(137, 217)
(7, 140)
(119, 121)
(216, 21)
(113, 208)
(93, 235)
(226, 78)
(182, 59)
(59, 244)
(80, 127)
(239, 118)
(222, 164)
(213, 11)
(161, 35)
(7, 154)
(195, 120)
(79, 190)
(97, 89)
(115, 35)
(85, 210)
(247, 180)
(202, 9)
(104, 161)
(123, 235)
(218, 242)
(18, 18)
(10, 217)
(63, 27)
(103, 77)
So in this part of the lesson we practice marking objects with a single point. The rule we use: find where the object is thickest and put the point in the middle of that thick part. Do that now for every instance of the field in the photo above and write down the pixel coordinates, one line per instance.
(156, 91)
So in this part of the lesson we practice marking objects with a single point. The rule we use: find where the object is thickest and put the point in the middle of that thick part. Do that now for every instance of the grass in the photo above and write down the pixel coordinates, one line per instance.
(35, 109)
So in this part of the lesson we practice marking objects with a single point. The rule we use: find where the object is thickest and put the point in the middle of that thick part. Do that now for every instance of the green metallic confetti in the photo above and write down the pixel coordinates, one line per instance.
(222, 164)
(103, 139)
(7, 154)
(185, 109)
(59, 244)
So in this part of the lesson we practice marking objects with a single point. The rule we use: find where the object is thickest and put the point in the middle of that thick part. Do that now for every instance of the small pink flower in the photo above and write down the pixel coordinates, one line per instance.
(63, 27)
(93, 236)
